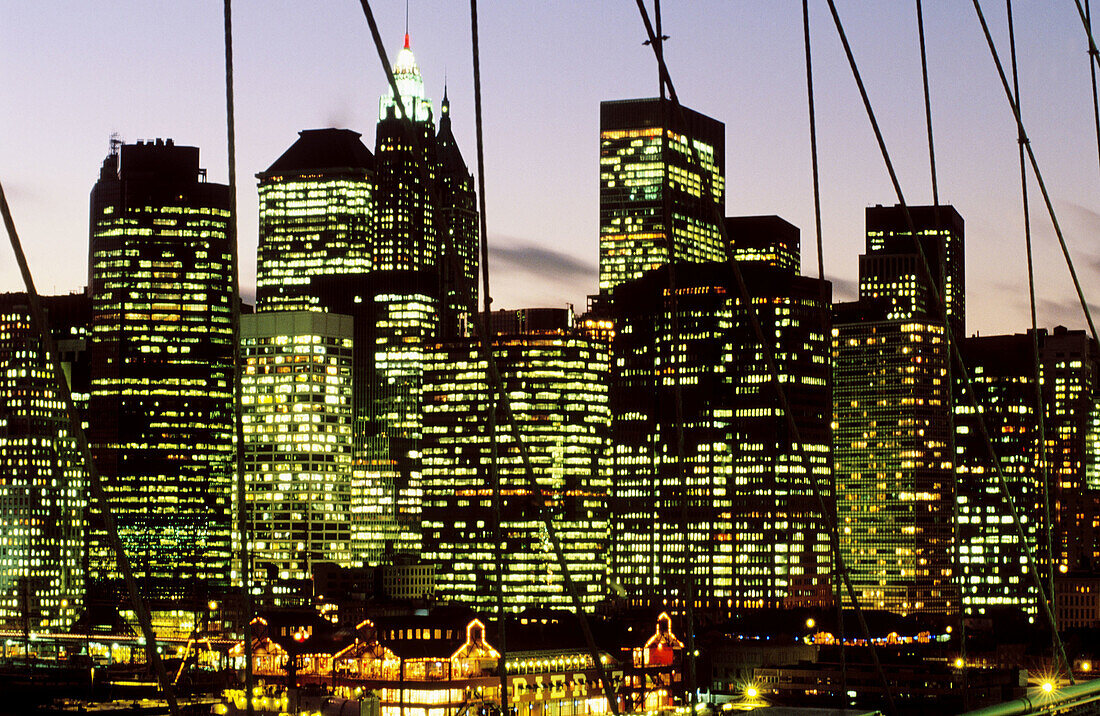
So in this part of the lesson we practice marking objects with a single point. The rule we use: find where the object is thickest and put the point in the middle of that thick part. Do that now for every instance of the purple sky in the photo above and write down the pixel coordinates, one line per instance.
(72, 73)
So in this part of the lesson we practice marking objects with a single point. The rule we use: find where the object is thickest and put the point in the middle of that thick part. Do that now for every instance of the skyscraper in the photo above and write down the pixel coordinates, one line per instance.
(296, 408)
(556, 379)
(43, 489)
(993, 571)
(893, 411)
(652, 195)
(362, 235)
(754, 535)
(315, 217)
(161, 368)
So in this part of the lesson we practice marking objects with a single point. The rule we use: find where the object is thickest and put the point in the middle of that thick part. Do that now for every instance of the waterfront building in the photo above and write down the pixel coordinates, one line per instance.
(43, 483)
(556, 381)
(296, 405)
(737, 511)
(161, 370)
(652, 193)
(315, 217)
(892, 396)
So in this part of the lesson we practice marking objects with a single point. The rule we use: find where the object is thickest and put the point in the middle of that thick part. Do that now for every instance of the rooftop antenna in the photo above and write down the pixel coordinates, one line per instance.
(406, 18)
(113, 144)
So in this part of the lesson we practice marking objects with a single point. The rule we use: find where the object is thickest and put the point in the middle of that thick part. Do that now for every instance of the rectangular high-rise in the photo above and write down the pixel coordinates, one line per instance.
(556, 379)
(892, 399)
(296, 405)
(653, 195)
(161, 369)
(738, 511)
(43, 489)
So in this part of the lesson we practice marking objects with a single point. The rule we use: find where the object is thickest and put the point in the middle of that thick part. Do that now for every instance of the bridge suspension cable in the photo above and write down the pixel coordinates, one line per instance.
(243, 517)
(95, 484)
(766, 350)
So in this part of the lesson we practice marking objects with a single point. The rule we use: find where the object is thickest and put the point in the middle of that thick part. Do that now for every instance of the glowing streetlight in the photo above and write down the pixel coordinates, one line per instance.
(959, 663)
(1047, 687)
(810, 623)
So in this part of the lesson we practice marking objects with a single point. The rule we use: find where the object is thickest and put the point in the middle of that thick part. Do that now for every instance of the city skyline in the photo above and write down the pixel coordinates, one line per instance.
(542, 103)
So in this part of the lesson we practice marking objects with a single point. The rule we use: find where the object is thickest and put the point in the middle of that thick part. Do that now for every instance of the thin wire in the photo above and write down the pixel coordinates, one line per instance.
(957, 561)
(494, 473)
(1040, 409)
(235, 318)
(825, 303)
(937, 297)
(485, 348)
(95, 483)
(768, 353)
(1035, 165)
(928, 110)
(1092, 72)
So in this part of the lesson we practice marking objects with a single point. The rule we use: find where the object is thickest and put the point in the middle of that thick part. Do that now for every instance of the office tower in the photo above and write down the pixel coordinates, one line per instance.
(993, 571)
(459, 254)
(893, 411)
(893, 268)
(394, 321)
(161, 369)
(556, 380)
(296, 410)
(43, 489)
(406, 233)
(652, 193)
(770, 240)
(754, 533)
(1070, 363)
(315, 217)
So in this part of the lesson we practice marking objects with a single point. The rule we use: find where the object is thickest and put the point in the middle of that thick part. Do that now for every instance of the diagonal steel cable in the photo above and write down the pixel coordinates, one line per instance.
(481, 322)
(825, 299)
(768, 354)
(1034, 162)
(1039, 407)
(95, 483)
(243, 525)
(952, 343)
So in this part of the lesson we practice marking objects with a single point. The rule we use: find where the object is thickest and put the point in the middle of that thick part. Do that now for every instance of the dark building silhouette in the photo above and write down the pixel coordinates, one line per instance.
(754, 535)
(161, 369)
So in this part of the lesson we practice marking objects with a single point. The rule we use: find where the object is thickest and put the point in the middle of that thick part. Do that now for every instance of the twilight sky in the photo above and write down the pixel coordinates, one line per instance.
(71, 73)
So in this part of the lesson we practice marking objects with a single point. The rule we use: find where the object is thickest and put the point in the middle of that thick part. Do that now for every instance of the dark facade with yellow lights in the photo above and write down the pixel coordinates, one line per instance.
(754, 535)
(161, 369)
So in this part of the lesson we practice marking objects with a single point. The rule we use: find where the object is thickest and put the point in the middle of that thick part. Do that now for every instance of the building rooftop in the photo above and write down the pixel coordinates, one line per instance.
(330, 149)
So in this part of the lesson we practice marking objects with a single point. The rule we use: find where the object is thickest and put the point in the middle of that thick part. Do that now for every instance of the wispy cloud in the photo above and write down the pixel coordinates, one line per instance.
(514, 255)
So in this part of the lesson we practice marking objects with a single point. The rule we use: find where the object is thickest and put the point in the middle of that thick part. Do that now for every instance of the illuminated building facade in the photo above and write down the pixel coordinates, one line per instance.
(358, 234)
(161, 369)
(395, 316)
(315, 217)
(42, 478)
(651, 192)
(1070, 362)
(992, 570)
(296, 401)
(893, 411)
(892, 267)
(891, 443)
(556, 379)
(754, 534)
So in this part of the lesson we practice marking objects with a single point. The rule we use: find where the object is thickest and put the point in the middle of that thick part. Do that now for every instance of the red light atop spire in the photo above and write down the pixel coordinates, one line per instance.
(406, 40)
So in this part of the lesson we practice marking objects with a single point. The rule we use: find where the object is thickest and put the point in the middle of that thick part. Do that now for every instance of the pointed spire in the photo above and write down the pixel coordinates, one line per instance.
(407, 41)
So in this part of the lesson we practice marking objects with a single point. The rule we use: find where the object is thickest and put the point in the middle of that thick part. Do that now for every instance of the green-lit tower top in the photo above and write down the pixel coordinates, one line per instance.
(411, 86)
